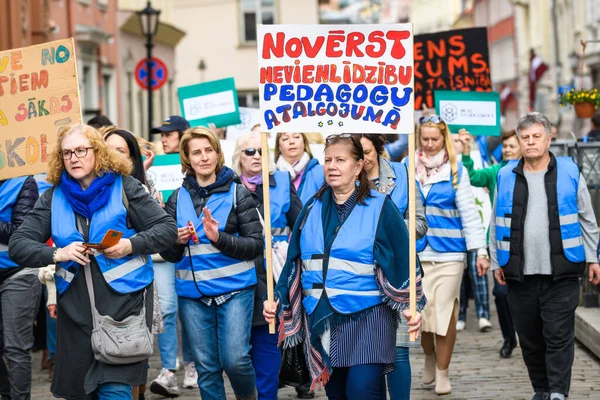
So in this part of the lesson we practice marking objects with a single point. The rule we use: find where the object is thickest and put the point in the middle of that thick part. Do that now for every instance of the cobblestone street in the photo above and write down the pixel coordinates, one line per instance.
(477, 372)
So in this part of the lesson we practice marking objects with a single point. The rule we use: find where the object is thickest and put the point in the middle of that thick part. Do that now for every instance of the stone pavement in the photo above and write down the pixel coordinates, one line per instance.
(477, 372)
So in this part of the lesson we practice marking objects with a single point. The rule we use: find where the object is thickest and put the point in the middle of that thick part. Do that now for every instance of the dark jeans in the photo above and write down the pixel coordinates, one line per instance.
(504, 316)
(361, 382)
(544, 315)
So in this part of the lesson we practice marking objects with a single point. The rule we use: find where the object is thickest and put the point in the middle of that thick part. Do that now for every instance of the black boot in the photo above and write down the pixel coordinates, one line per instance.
(507, 349)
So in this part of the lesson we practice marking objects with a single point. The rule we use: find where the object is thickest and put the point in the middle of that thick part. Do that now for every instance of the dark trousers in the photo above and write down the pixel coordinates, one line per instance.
(544, 315)
(505, 318)
(360, 382)
(266, 360)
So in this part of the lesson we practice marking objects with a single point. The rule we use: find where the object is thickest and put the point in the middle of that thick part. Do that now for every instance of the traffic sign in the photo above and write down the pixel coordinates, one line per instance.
(160, 73)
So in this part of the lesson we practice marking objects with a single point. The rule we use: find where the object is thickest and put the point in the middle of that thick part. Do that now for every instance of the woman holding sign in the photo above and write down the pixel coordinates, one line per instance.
(285, 208)
(454, 227)
(351, 285)
(93, 194)
(219, 238)
(293, 155)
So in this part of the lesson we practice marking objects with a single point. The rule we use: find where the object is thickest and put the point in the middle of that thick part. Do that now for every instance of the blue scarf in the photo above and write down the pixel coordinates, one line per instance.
(87, 202)
(223, 176)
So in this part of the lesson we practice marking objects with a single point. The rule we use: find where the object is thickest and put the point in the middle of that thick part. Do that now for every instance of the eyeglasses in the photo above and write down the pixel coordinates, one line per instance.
(334, 138)
(436, 119)
(79, 153)
(251, 151)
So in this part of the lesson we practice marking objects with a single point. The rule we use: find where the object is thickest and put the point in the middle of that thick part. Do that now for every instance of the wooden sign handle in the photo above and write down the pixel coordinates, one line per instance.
(412, 229)
(267, 221)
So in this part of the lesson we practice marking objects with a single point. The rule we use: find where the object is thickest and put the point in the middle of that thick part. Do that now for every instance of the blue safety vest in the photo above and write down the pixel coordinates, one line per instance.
(125, 275)
(280, 205)
(445, 231)
(351, 283)
(567, 181)
(204, 270)
(400, 192)
(42, 183)
(311, 181)
(9, 192)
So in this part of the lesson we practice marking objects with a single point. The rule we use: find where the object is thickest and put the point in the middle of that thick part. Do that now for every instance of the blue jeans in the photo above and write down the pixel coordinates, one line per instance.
(399, 380)
(114, 391)
(220, 339)
(266, 360)
(360, 382)
(164, 280)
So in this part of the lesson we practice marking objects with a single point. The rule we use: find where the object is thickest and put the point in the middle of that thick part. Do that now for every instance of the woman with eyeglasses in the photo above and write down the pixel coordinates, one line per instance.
(348, 264)
(454, 228)
(219, 238)
(93, 192)
(285, 208)
(293, 155)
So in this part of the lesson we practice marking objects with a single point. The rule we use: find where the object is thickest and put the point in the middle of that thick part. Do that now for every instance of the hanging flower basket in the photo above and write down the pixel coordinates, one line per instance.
(584, 110)
(585, 101)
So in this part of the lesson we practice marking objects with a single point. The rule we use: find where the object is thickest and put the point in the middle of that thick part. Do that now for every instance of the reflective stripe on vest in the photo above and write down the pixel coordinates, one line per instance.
(280, 205)
(125, 275)
(9, 192)
(351, 284)
(567, 176)
(311, 180)
(445, 231)
(400, 193)
(204, 270)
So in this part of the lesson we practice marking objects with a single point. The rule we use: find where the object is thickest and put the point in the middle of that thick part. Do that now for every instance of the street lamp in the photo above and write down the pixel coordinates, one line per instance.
(148, 18)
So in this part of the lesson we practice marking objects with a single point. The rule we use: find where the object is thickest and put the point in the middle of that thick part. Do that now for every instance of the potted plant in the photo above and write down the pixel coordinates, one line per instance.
(585, 101)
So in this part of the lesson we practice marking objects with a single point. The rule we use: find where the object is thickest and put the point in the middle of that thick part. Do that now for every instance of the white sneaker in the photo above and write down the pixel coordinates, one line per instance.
(190, 381)
(485, 325)
(165, 384)
(460, 325)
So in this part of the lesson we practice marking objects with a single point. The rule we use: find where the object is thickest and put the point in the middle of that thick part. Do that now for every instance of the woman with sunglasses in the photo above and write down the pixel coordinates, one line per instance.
(293, 155)
(219, 238)
(454, 227)
(91, 188)
(348, 264)
(285, 208)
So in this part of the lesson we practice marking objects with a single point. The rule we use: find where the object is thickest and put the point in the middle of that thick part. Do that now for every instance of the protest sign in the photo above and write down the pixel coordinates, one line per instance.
(38, 95)
(166, 174)
(451, 60)
(249, 117)
(212, 102)
(336, 78)
(477, 112)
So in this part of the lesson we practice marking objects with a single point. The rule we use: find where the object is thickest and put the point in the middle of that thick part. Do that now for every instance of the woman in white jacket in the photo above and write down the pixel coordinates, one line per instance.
(454, 229)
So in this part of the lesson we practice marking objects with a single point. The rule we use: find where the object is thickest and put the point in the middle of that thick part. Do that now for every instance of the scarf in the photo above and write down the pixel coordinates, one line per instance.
(428, 167)
(87, 202)
(252, 182)
(295, 170)
(224, 175)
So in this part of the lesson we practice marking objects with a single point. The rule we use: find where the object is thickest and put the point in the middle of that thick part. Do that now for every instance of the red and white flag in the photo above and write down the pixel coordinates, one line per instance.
(537, 68)
(506, 96)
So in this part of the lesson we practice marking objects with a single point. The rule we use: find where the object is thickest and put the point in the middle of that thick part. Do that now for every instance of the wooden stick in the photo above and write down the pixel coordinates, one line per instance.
(412, 229)
(267, 217)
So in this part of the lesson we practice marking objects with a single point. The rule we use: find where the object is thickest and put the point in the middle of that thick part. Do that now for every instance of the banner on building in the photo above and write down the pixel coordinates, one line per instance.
(452, 60)
(39, 93)
(214, 102)
(336, 78)
(477, 112)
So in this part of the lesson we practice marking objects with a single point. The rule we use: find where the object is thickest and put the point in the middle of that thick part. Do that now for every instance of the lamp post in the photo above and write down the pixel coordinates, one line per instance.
(148, 18)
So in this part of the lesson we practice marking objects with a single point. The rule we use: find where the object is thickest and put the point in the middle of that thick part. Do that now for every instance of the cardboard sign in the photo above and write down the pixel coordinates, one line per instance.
(451, 60)
(214, 102)
(336, 78)
(477, 112)
(38, 94)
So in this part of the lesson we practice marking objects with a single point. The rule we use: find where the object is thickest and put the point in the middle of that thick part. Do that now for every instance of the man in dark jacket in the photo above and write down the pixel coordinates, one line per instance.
(20, 292)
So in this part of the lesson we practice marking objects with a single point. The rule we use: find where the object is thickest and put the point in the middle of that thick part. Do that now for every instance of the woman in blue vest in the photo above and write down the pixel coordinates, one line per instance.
(93, 193)
(348, 265)
(214, 270)
(293, 155)
(454, 227)
(391, 178)
(285, 208)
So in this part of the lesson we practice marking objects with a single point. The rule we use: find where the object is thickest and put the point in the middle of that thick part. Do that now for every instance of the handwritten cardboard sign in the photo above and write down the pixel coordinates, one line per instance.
(38, 94)
(336, 78)
(477, 112)
(452, 60)
(212, 102)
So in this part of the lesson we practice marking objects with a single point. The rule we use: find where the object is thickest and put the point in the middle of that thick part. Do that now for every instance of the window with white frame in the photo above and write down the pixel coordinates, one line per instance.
(255, 12)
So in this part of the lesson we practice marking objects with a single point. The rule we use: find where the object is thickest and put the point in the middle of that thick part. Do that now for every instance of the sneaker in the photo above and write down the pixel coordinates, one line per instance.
(190, 381)
(485, 325)
(460, 325)
(165, 384)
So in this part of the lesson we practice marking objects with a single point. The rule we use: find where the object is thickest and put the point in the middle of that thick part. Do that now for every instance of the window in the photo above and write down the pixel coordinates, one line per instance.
(102, 4)
(106, 93)
(248, 99)
(255, 12)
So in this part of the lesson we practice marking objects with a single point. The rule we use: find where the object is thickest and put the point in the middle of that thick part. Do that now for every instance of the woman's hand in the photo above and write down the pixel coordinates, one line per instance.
(270, 310)
(414, 324)
(465, 138)
(499, 275)
(211, 225)
(120, 250)
(76, 252)
(183, 235)
(483, 264)
(52, 311)
(149, 159)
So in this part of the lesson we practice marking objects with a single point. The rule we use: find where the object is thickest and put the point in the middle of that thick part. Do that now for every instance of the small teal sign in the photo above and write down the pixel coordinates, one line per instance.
(214, 102)
(477, 112)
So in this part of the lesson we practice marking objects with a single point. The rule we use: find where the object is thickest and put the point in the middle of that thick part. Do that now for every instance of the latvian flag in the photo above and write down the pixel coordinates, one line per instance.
(536, 70)
(506, 96)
